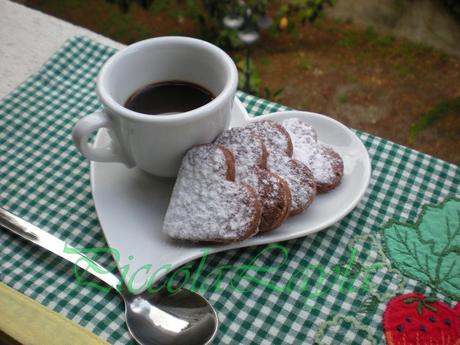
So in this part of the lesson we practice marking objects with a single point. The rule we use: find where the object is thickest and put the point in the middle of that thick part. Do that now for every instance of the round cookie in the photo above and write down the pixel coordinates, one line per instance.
(325, 164)
(297, 175)
(207, 204)
(251, 160)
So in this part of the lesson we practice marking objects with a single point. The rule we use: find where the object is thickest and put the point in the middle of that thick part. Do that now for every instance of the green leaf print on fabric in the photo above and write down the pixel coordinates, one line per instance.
(429, 251)
(441, 228)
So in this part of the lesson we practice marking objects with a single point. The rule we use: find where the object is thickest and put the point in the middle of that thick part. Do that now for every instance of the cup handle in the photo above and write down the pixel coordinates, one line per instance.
(86, 126)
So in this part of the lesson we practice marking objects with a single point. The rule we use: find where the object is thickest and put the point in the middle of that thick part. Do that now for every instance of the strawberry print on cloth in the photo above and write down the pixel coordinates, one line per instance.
(414, 319)
(429, 252)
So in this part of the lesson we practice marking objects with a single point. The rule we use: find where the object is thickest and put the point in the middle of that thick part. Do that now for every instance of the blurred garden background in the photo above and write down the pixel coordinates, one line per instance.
(390, 68)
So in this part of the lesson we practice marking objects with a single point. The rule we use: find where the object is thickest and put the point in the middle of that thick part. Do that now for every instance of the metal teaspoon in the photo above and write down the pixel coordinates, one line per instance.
(161, 318)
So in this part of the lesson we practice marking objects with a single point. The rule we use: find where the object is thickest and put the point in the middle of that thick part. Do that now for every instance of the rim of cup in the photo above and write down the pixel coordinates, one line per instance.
(112, 105)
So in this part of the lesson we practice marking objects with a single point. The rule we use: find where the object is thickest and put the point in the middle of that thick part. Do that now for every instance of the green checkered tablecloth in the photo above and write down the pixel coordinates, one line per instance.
(46, 181)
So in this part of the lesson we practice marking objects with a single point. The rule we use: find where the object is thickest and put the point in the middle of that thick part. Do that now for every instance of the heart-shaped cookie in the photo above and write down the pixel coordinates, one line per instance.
(206, 204)
(297, 175)
(251, 162)
(325, 164)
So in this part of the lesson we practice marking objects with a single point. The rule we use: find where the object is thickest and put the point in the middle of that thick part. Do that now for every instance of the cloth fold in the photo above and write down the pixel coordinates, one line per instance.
(27, 322)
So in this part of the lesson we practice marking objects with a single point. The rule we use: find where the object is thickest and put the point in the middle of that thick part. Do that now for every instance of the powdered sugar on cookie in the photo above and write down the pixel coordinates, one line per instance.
(248, 150)
(206, 205)
(299, 179)
(325, 164)
(275, 136)
(250, 180)
(297, 175)
(250, 161)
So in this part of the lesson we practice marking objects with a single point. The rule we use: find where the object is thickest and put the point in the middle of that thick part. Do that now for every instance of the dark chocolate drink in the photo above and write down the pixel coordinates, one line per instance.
(168, 98)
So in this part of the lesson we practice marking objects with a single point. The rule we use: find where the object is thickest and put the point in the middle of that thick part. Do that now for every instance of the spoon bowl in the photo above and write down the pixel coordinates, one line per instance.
(170, 317)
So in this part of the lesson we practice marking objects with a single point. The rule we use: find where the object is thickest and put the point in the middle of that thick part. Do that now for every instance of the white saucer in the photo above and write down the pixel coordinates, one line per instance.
(131, 204)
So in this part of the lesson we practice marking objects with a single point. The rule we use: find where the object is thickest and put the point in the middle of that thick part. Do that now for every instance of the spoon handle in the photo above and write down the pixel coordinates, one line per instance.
(47, 241)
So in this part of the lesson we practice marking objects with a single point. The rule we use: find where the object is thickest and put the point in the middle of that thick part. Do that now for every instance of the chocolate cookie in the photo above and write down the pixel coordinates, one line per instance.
(207, 204)
(325, 164)
(274, 136)
(297, 175)
(251, 160)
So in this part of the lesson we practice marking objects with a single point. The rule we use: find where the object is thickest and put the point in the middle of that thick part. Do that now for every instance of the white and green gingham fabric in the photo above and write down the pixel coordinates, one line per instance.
(46, 181)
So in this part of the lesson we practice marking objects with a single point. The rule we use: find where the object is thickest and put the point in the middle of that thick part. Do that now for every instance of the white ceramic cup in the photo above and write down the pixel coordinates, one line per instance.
(157, 143)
